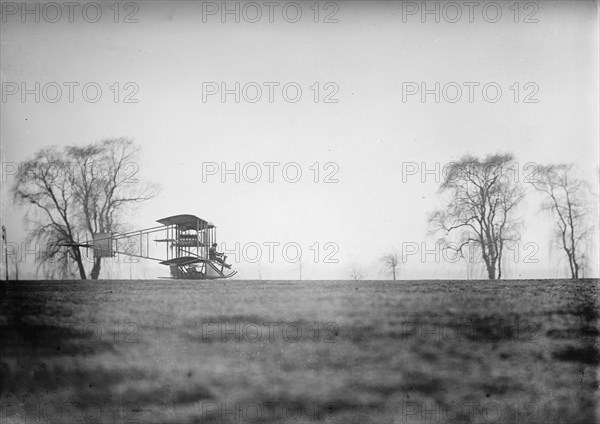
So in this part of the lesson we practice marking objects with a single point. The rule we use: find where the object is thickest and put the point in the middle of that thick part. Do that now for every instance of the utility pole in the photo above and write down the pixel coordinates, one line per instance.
(468, 274)
(5, 252)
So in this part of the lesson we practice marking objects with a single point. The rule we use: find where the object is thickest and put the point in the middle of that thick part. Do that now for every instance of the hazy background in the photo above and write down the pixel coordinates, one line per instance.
(369, 133)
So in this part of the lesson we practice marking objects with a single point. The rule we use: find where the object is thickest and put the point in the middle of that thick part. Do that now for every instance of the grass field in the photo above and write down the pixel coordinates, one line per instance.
(297, 351)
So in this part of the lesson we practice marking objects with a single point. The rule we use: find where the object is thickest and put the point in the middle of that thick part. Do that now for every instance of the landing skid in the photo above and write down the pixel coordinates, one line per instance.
(199, 277)
(196, 268)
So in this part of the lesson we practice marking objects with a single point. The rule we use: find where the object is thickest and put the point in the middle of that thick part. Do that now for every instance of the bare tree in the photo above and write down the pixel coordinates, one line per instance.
(356, 271)
(567, 199)
(391, 261)
(76, 191)
(44, 182)
(105, 186)
(480, 210)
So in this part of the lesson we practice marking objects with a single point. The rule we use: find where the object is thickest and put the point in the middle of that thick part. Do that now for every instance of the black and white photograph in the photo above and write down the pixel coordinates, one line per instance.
(300, 212)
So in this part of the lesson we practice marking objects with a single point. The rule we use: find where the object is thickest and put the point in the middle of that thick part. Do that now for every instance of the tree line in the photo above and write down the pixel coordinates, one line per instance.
(79, 191)
(480, 210)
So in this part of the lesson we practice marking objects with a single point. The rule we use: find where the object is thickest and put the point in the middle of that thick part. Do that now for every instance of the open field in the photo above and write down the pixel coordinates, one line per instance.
(297, 351)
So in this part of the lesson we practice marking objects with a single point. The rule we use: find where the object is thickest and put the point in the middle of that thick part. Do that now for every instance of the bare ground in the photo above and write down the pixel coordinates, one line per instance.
(298, 351)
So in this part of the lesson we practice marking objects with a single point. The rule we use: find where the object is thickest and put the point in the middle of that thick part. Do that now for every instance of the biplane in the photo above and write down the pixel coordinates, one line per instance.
(189, 242)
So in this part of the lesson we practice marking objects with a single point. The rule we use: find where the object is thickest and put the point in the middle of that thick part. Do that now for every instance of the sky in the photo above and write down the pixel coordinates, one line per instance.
(359, 118)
